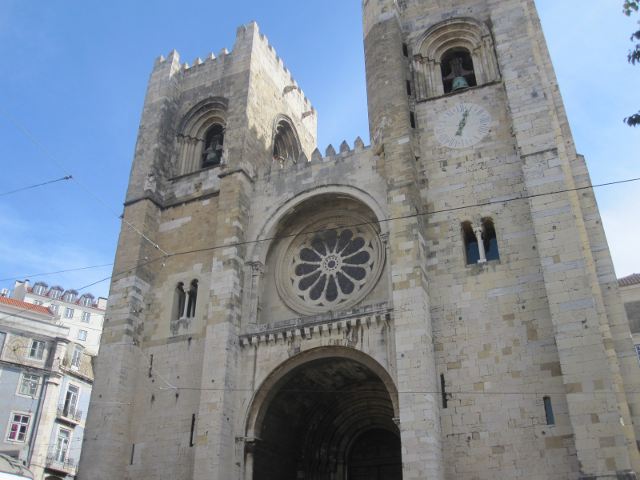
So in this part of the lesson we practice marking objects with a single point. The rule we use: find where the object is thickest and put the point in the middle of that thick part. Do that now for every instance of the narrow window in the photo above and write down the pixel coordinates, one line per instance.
(193, 428)
(18, 428)
(471, 250)
(548, 411)
(133, 452)
(412, 119)
(179, 301)
(457, 70)
(70, 407)
(443, 388)
(489, 239)
(150, 365)
(82, 335)
(193, 296)
(86, 317)
(37, 350)
(286, 146)
(62, 445)
(213, 144)
(405, 49)
(409, 92)
(638, 352)
(68, 312)
(76, 357)
(54, 309)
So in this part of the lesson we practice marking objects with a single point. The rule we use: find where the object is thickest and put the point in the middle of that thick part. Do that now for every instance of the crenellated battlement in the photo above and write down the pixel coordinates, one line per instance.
(248, 37)
(331, 155)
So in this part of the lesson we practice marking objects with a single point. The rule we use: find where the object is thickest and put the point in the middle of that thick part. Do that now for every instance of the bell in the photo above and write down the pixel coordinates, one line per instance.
(459, 83)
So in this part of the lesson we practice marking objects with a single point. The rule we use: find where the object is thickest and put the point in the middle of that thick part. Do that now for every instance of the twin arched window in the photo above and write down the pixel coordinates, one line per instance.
(185, 299)
(480, 244)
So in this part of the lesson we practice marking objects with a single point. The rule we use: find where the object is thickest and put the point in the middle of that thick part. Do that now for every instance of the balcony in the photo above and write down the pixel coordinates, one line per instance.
(69, 414)
(68, 466)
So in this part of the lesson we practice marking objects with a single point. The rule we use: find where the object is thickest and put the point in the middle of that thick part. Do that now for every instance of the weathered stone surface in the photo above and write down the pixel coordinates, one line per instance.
(456, 356)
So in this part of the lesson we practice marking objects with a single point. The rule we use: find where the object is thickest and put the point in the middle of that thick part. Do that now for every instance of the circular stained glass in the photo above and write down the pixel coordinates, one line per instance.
(332, 267)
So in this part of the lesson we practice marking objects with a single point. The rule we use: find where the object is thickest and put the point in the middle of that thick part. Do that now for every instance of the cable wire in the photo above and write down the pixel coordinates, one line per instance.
(22, 189)
(88, 190)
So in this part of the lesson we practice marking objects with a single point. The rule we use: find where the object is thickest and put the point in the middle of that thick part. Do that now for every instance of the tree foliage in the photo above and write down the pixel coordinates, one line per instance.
(629, 7)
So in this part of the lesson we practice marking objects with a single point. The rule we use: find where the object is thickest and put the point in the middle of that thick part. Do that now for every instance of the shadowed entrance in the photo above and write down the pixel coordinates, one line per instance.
(328, 419)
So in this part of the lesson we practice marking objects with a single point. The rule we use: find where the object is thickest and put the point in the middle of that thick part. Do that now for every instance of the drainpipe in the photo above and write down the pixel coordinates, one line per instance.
(36, 423)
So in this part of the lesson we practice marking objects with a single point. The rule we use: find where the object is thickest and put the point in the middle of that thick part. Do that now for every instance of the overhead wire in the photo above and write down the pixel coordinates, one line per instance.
(322, 230)
(88, 190)
(29, 187)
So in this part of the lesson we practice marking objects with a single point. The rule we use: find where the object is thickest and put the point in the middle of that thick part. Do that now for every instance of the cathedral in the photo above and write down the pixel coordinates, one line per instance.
(438, 305)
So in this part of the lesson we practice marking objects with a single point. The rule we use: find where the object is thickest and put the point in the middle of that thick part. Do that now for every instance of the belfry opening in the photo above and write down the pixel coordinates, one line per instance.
(330, 418)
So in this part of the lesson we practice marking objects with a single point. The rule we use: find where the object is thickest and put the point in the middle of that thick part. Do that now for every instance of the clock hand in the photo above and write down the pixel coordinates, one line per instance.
(462, 124)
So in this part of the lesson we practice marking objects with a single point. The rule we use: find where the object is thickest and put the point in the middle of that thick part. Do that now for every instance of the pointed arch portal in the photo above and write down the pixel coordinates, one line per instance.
(328, 418)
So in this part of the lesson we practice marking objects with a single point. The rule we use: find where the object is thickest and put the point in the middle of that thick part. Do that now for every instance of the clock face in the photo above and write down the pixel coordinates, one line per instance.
(462, 126)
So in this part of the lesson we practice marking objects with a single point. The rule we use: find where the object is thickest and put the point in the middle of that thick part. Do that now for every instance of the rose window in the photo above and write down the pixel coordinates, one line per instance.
(333, 267)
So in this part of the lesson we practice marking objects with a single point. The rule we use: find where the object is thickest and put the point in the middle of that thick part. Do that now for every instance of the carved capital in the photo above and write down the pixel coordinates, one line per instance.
(257, 268)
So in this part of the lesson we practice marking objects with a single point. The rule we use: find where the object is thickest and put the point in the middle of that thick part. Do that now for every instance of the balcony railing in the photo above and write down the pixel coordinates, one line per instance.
(68, 465)
(72, 414)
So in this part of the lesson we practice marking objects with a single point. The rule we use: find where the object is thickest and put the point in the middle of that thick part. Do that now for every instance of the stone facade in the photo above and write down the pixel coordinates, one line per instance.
(46, 386)
(441, 304)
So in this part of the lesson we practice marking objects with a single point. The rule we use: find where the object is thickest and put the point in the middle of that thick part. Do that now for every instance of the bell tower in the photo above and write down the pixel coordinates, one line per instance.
(465, 92)
(438, 305)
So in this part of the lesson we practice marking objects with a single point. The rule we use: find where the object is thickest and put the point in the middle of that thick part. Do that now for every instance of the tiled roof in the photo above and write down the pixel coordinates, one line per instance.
(633, 279)
(24, 305)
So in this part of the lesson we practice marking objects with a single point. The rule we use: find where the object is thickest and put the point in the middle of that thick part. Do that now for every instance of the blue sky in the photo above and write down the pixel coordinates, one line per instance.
(76, 73)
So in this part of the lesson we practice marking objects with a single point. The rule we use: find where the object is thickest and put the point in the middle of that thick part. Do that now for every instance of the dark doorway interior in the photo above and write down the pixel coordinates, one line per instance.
(376, 456)
(331, 419)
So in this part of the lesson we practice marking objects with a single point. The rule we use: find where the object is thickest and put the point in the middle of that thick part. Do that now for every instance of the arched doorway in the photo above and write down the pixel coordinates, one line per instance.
(321, 420)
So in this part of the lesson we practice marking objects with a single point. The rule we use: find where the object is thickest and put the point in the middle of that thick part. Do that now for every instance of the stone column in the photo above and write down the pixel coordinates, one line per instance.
(481, 250)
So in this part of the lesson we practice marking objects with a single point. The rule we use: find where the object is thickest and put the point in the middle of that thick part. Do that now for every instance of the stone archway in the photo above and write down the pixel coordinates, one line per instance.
(321, 420)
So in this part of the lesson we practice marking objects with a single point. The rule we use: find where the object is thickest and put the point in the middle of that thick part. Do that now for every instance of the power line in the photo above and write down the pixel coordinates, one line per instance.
(88, 190)
(22, 189)
(309, 232)
(45, 274)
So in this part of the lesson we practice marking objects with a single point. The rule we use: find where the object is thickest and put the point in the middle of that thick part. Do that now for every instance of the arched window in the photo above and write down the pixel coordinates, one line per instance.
(179, 299)
(453, 55)
(457, 70)
(193, 296)
(184, 301)
(200, 138)
(286, 146)
(213, 141)
(471, 249)
(490, 240)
